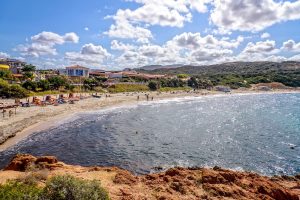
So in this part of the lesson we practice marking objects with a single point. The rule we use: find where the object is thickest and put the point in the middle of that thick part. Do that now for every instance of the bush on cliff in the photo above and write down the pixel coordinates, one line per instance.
(57, 188)
(12, 90)
(70, 188)
(13, 190)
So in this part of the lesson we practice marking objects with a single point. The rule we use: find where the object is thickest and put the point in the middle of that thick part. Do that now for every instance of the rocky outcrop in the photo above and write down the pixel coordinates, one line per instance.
(173, 184)
(23, 162)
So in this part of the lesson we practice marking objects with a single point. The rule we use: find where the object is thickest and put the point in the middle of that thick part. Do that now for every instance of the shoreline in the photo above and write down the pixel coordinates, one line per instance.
(34, 119)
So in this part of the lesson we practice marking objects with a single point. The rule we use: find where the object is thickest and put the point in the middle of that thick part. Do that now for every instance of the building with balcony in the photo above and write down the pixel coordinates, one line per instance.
(77, 71)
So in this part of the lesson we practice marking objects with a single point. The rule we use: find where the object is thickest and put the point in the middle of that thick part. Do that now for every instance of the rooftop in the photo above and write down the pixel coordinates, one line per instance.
(76, 67)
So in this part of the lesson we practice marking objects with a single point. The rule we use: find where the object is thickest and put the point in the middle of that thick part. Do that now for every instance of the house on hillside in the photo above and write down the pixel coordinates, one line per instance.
(4, 67)
(15, 66)
(77, 71)
(98, 73)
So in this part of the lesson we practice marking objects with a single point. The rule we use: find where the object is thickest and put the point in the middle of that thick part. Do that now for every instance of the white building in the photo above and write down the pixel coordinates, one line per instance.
(77, 71)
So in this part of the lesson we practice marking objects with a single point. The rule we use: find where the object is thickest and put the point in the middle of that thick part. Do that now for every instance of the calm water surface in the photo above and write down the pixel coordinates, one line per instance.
(247, 132)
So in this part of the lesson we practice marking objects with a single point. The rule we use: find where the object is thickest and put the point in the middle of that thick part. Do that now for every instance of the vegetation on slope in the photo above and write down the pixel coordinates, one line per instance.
(57, 188)
(241, 74)
(127, 88)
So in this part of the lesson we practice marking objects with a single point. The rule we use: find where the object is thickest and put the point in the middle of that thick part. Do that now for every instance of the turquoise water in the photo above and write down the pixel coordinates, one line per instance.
(260, 133)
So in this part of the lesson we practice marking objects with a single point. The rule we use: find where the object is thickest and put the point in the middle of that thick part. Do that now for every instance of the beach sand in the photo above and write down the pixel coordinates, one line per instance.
(33, 119)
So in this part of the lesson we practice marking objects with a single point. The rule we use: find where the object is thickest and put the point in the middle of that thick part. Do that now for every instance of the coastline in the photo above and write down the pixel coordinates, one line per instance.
(175, 183)
(34, 119)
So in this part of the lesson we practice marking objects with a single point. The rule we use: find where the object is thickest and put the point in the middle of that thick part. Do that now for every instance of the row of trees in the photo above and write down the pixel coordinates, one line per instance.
(53, 83)
(193, 82)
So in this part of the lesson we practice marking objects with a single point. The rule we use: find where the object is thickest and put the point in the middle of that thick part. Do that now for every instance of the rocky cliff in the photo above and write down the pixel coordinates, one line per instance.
(176, 183)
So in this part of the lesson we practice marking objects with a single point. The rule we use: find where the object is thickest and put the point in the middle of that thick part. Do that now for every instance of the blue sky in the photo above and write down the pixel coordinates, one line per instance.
(132, 33)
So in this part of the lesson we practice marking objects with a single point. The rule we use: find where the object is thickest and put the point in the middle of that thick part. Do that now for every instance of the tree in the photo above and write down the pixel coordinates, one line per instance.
(153, 85)
(90, 83)
(28, 75)
(5, 74)
(28, 71)
(28, 68)
(12, 91)
(192, 82)
(57, 81)
(30, 85)
(44, 85)
(199, 83)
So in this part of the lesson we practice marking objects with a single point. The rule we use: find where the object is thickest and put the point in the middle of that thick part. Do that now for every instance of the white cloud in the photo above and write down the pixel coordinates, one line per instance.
(291, 45)
(179, 5)
(123, 29)
(173, 13)
(185, 48)
(252, 15)
(36, 50)
(209, 55)
(86, 28)
(91, 49)
(71, 37)
(295, 58)
(195, 40)
(4, 55)
(44, 42)
(261, 47)
(154, 14)
(116, 45)
(50, 38)
(200, 6)
(265, 35)
(90, 54)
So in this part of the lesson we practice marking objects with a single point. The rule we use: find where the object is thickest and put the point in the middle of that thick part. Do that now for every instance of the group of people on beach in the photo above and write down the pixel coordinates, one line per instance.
(147, 97)
(11, 108)
(71, 98)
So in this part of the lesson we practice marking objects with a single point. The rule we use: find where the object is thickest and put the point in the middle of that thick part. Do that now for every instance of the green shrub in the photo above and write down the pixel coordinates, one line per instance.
(12, 90)
(13, 190)
(43, 85)
(57, 81)
(57, 188)
(70, 188)
(5, 74)
(182, 75)
(30, 85)
(153, 85)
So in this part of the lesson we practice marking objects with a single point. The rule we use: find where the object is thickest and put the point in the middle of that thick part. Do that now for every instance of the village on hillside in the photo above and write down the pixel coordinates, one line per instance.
(19, 79)
(16, 67)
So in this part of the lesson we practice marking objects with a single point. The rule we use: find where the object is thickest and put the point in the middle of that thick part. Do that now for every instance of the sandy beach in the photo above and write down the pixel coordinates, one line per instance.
(28, 120)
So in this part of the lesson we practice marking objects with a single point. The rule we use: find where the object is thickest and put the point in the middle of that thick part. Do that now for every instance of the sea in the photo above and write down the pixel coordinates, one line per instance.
(247, 132)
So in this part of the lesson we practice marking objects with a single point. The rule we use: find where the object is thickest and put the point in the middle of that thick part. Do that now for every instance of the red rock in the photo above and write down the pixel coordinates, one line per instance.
(46, 159)
(125, 177)
(173, 172)
(20, 162)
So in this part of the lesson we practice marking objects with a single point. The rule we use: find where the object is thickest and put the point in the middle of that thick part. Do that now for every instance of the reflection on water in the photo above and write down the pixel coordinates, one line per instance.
(249, 132)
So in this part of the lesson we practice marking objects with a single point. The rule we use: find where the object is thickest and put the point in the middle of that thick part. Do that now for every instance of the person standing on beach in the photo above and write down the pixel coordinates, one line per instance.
(138, 97)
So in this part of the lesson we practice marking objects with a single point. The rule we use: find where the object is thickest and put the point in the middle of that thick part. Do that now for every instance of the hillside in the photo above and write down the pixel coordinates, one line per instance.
(154, 67)
(240, 68)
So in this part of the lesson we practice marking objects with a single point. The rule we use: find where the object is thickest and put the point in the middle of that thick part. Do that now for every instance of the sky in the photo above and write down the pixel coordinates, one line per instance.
(117, 34)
